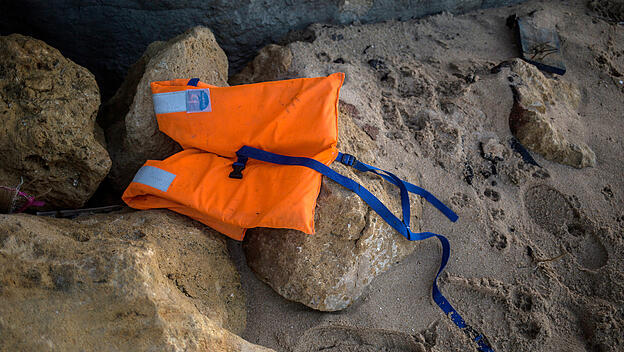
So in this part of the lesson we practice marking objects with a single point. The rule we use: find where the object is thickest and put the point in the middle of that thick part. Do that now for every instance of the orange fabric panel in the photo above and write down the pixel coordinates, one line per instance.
(268, 195)
(296, 117)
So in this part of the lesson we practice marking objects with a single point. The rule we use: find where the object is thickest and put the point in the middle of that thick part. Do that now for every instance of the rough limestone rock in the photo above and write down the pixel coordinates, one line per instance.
(272, 63)
(129, 119)
(329, 270)
(395, 91)
(48, 135)
(140, 281)
(544, 111)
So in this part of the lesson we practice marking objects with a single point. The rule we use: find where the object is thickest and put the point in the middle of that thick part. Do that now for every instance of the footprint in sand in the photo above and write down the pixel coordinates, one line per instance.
(516, 309)
(498, 240)
(553, 212)
(335, 338)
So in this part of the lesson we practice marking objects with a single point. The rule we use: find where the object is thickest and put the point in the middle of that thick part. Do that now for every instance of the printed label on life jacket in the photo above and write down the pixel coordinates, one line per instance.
(154, 177)
(198, 100)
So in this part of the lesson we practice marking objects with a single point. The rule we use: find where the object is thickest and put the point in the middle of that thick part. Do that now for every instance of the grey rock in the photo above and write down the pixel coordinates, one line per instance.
(48, 136)
(272, 63)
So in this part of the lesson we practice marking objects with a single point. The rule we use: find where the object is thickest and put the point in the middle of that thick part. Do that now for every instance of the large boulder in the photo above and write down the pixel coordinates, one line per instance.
(150, 280)
(328, 271)
(129, 119)
(544, 117)
(49, 141)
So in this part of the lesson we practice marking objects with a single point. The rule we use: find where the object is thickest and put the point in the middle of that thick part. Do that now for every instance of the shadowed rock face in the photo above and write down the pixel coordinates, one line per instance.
(87, 33)
(48, 135)
(149, 280)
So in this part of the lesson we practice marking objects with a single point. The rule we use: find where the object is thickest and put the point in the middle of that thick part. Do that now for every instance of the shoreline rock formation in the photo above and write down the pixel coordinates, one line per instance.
(149, 280)
(49, 140)
(108, 48)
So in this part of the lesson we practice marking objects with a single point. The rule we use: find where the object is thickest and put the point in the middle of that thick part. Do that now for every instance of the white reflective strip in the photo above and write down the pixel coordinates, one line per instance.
(165, 103)
(154, 177)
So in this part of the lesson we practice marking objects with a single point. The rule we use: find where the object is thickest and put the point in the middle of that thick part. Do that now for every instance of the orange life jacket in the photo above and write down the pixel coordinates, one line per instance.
(282, 136)
(295, 117)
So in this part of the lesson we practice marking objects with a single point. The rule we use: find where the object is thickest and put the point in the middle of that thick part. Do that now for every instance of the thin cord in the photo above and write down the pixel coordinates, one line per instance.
(17, 189)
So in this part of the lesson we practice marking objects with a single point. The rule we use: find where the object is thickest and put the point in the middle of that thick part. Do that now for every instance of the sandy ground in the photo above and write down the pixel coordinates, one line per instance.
(536, 258)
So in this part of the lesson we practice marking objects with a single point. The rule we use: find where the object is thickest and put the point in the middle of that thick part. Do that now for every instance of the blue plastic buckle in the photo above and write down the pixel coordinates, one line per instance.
(237, 167)
(347, 159)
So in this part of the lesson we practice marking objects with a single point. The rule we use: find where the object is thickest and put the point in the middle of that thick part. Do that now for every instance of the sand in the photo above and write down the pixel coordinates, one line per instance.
(537, 252)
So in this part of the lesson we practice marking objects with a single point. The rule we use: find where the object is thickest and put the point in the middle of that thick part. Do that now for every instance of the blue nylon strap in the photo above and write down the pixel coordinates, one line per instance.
(368, 197)
(410, 187)
(401, 226)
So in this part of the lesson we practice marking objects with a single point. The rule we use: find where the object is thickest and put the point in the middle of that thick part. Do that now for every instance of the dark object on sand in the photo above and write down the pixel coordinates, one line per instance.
(468, 173)
(76, 212)
(540, 46)
(524, 153)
